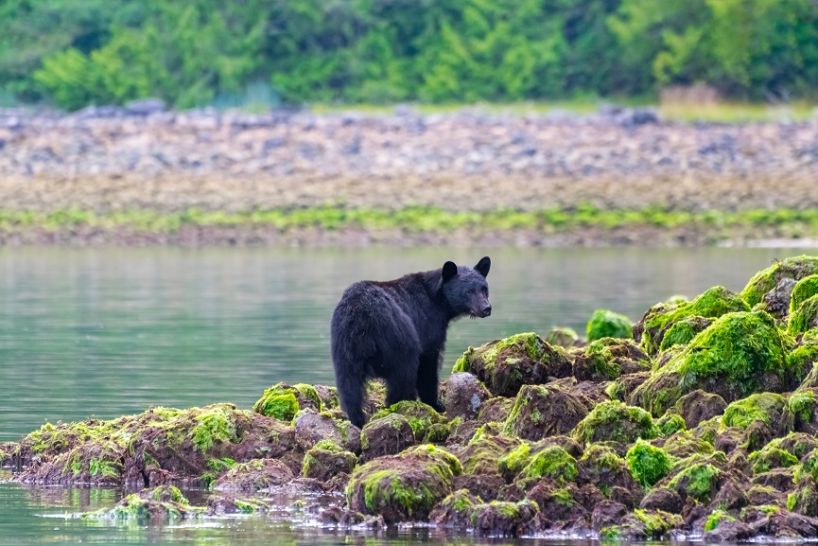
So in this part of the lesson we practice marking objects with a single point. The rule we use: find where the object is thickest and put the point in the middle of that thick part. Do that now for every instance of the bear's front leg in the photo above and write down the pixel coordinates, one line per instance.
(427, 383)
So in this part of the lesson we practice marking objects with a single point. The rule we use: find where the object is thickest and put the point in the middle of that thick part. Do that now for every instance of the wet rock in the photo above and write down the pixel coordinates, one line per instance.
(312, 427)
(729, 532)
(543, 410)
(386, 435)
(562, 337)
(777, 301)
(421, 417)
(698, 406)
(764, 281)
(804, 317)
(456, 510)
(602, 467)
(662, 498)
(403, 487)
(731, 495)
(485, 486)
(327, 459)
(768, 409)
(482, 454)
(559, 504)
(495, 409)
(782, 524)
(607, 513)
(643, 524)
(506, 365)
(505, 519)
(159, 505)
(465, 396)
(777, 478)
(253, 476)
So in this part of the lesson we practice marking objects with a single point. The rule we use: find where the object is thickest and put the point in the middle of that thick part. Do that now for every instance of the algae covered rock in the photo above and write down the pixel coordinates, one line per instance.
(403, 487)
(506, 365)
(161, 504)
(505, 519)
(647, 463)
(711, 303)
(544, 410)
(617, 422)
(254, 475)
(698, 406)
(739, 354)
(795, 268)
(683, 331)
(312, 427)
(802, 291)
(606, 323)
(767, 408)
(327, 459)
(283, 401)
(608, 358)
(386, 435)
(552, 462)
(602, 467)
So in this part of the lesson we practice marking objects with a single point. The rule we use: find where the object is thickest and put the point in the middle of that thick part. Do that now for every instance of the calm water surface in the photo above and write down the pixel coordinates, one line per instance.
(104, 332)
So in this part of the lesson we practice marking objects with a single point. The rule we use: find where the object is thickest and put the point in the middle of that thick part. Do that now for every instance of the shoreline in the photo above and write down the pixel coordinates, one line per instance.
(583, 226)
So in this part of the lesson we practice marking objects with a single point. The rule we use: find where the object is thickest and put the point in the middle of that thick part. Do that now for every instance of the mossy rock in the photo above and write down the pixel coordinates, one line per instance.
(804, 498)
(284, 401)
(506, 365)
(327, 459)
(647, 463)
(795, 268)
(543, 410)
(685, 443)
(608, 358)
(768, 408)
(716, 518)
(562, 336)
(484, 452)
(606, 323)
(805, 317)
(421, 417)
(802, 406)
(699, 481)
(504, 519)
(683, 331)
(803, 360)
(554, 463)
(802, 291)
(739, 354)
(642, 525)
(254, 475)
(602, 467)
(769, 457)
(670, 423)
(455, 511)
(161, 504)
(615, 421)
(622, 387)
(403, 487)
(465, 395)
(312, 427)
(386, 435)
(711, 303)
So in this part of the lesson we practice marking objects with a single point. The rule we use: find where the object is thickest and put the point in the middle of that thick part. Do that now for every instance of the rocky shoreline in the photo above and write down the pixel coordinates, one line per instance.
(698, 421)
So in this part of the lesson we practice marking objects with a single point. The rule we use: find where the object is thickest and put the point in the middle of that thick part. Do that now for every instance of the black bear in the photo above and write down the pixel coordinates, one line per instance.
(396, 330)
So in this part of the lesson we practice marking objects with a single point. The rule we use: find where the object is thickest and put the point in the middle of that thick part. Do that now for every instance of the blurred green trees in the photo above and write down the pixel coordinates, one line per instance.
(197, 52)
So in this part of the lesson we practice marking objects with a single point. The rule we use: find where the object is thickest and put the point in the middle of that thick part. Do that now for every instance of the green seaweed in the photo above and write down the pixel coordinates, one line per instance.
(715, 518)
(805, 317)
(647, 463)
(796, 267)
(615, 421)
(552, 462)
(606, 323)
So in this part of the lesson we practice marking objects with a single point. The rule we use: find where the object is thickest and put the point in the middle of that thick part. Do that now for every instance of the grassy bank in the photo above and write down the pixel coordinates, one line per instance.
(787, 222)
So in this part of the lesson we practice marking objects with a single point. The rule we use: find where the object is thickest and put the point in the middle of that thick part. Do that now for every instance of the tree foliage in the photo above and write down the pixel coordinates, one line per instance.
(197, 52)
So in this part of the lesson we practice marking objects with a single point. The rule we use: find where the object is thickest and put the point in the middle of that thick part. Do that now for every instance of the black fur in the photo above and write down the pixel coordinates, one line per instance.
(396, 330)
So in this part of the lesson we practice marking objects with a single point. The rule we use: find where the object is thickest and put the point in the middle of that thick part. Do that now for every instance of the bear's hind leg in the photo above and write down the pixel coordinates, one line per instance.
(401, 379)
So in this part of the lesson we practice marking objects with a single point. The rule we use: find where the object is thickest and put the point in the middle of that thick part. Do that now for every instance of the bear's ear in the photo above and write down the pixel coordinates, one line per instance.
(449, 271)
(483, 266)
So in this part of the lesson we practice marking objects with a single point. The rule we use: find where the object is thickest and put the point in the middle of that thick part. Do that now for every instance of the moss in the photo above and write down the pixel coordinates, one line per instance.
(756, 407)
(168, 493)
(552, 462)
(805, 317)
(698, 481)
(686, 443)
(528, 342)
(213, 425)
(803, 361)
(770, 457)
(515, 460)
(419, 415)
(796, 268)
(648, 464)
(562, 336)
(808, 466)
(683, 331)
(617, 422)
(605, 323)
(657, 522)
(278, 401)
(803, 290)
(670, 423)
(734, 357)
(713, 302)
(715, 518)
(603, 364)
(482, 455)
(325, 459)
(801, 406)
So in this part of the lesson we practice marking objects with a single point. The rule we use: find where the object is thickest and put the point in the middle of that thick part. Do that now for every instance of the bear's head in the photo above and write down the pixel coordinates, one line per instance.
(465, 288)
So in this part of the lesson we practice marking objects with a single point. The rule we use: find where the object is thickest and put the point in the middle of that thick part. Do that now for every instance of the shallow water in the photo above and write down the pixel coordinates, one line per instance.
(103, 332)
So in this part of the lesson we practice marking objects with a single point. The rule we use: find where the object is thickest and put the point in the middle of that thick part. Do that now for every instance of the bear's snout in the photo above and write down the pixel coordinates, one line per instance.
(486, 311)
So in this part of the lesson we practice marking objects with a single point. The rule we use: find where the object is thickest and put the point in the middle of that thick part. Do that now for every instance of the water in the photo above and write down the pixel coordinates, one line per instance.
(105, 332)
